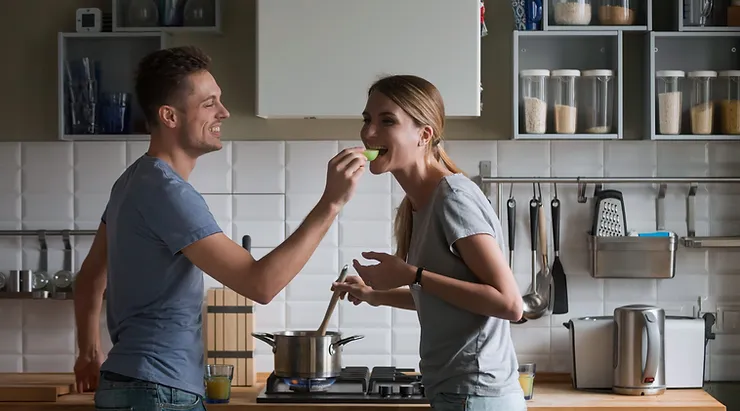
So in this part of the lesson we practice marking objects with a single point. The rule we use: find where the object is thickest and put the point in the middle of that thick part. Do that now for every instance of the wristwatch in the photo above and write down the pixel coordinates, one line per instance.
(417, 281)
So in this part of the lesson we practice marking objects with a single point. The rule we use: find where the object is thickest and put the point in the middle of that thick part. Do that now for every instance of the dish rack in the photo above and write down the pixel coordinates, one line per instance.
(632, 257)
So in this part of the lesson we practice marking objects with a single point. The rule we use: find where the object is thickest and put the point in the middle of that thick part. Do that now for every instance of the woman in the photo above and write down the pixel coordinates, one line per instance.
(449, 265)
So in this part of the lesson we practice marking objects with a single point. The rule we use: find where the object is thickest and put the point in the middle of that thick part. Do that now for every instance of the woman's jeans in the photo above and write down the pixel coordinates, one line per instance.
(461, 402)
(120, 393)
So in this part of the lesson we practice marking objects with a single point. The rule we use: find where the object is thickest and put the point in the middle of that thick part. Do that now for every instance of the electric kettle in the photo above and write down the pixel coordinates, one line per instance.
(639, 350)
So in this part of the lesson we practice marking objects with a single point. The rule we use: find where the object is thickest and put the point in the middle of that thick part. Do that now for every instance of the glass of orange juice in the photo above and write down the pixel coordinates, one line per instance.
(218, 383)
(526, 379)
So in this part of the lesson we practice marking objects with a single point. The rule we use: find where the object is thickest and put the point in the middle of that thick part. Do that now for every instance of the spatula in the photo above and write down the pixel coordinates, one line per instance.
(332, 303)
(560, 303)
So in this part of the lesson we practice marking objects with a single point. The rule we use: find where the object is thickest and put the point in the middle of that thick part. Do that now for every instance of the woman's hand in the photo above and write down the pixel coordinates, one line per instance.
(355, 290)
(390, 273)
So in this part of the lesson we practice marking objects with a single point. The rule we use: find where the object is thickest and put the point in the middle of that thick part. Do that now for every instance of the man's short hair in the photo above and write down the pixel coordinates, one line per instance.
(162, 77)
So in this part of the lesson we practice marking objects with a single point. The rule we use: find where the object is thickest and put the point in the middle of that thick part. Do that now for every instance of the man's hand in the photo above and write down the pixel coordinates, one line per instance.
(87, 370)
(343, 173)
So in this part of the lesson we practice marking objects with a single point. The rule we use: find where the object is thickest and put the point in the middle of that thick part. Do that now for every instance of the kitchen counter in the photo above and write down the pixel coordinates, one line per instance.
(550, 394)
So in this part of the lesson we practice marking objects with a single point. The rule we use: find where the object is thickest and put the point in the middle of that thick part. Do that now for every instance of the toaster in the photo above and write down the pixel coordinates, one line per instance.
(592, 351)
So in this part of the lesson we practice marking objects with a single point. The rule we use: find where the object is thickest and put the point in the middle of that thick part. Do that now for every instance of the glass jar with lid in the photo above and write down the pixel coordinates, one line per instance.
(565, 100)
(702, 105)
(533, 85)
(572, 12)
(668, 88)
(730, 107)
(597, 101)
(617, 12)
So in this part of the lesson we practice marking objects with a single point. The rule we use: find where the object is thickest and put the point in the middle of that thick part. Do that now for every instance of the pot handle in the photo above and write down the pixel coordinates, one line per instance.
(266, 338)
(344, 341)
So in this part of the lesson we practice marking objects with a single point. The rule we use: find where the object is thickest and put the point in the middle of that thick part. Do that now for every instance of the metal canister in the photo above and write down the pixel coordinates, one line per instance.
(14, 281)
(26, 277)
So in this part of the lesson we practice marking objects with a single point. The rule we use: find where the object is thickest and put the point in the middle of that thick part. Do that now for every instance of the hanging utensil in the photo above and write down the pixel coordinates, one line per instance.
(511, 221)
(332, 303)
(534, 305)
(560, 304)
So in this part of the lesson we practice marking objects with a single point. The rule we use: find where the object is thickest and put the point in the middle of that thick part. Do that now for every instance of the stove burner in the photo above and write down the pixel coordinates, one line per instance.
(309, 384)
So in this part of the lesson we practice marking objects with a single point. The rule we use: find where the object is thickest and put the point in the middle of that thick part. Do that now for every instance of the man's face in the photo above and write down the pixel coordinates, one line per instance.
(200, 116)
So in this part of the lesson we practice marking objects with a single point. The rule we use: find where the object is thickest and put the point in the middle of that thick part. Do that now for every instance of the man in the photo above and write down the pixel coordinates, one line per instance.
(157, 234)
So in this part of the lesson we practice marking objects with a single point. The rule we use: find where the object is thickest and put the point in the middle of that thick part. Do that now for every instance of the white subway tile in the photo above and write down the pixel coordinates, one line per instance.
(577, 158)
(11, 363)
(97, 165)
(523, 158)
(303, 315)
(627, 289)
(306, 165)
(48, 342)
(375, 341)
(10, 211)
(11, 341)
(134, 150)
(10, 255)
(531, 341)
(47, 211)
(212, 173)
(48, 315)
(49, 363)
(331, 238)
(263, 233)
(259, 167)
(630, 159)
(467, 155)
(694, 159)
(47, 168)
(88, 210)
(369, 234)
(367, 207)
(363, 315)
(406, 341)
(369, 361)
(306, 287)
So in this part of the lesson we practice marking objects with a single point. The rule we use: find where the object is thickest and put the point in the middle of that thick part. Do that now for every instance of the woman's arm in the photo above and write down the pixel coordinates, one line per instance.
(399, 298)
(496, 296)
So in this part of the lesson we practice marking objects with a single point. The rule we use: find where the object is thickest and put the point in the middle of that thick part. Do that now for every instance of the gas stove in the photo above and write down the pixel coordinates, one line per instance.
(381, 385)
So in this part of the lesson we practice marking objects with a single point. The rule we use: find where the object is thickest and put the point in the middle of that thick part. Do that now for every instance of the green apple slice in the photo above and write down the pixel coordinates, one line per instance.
(371, 154)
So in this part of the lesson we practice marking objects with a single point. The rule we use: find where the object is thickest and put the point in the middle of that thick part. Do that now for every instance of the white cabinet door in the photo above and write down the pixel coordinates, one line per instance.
(316, 58)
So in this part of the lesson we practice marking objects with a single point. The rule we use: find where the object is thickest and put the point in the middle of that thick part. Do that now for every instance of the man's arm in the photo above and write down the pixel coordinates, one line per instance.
(90, 284)
(262, 280)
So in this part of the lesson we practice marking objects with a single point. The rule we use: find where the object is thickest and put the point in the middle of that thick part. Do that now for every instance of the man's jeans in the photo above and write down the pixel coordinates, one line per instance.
(119, 393)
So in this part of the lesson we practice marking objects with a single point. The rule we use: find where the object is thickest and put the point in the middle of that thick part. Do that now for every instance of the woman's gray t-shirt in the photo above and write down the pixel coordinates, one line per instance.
(461, 352)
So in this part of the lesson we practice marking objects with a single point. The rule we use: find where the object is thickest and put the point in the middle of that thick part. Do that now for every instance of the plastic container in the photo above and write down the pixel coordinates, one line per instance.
(668, 85)
(617, 12)
(730, 107)
(572, 12)
(565, 100)
(597, 101)
(702, 105)
(534, 99)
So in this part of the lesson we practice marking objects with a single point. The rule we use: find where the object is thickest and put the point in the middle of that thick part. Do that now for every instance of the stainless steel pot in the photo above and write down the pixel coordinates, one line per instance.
(307, 354)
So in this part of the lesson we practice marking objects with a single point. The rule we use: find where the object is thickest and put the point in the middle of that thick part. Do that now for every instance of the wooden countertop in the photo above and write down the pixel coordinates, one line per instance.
(549, 394)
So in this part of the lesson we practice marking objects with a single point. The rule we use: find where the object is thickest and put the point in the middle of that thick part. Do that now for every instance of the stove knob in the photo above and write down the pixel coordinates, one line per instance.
(385, 390)
(421, 389)
(407, 390)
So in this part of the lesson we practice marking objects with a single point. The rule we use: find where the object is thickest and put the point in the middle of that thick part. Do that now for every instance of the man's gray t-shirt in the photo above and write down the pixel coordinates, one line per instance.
(461, 352)
(155, 294)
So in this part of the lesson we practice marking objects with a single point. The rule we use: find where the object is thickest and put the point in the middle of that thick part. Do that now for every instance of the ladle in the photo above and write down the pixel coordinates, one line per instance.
(534, 305)
(332, 302)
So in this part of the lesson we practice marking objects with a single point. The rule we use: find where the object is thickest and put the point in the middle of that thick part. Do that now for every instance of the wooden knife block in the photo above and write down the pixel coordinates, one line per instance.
(228, 323)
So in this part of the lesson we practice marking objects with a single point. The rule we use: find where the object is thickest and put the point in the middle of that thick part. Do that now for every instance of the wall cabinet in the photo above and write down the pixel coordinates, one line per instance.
(316, 58)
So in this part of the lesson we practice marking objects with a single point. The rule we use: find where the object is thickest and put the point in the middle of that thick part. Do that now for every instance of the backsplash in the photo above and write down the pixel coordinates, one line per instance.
(265, 188)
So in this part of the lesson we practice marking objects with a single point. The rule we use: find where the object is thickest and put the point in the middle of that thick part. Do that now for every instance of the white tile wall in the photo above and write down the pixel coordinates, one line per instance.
(265, 189)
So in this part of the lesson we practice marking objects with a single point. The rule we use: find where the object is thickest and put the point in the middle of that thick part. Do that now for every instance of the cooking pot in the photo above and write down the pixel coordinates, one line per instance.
(307, 354)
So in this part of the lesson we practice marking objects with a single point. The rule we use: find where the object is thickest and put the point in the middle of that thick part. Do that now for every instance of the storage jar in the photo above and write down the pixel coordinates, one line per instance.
(534, 100)
(669, 93)
(572, 12)
(730, 111)
(702, 105)
(617, 12)
(597, 94)
(565, 101)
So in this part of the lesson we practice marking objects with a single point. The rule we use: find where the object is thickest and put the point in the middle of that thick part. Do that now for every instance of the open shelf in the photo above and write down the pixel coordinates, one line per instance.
(686, 19)
(579, 50)
(715, 51)
(208, 10)
(642, 12)
(99, 68)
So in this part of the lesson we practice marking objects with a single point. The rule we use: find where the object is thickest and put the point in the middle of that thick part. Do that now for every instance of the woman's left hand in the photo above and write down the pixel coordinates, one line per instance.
(390, 273)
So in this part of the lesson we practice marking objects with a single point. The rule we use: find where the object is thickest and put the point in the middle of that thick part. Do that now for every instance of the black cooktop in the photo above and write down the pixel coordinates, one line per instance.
(382, 385)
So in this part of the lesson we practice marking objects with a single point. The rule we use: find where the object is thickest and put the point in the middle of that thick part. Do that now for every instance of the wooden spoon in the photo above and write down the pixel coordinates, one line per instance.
(332, 303)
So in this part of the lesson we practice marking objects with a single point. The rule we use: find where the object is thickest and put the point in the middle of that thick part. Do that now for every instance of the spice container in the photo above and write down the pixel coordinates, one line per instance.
(617, 12)
(534, 96)
(730, 110)
(670, 99)
(702, 106)
(572, 12)
(597, 100)
(566, 111)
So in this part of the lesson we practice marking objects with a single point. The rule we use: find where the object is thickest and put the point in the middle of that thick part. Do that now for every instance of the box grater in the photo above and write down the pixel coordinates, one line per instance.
(609, 214)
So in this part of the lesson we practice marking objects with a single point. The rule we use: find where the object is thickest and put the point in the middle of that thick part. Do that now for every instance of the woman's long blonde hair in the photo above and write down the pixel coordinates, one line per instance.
(421, 100)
